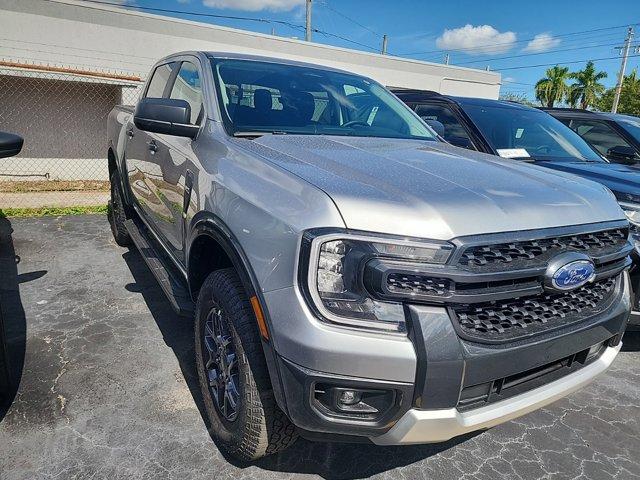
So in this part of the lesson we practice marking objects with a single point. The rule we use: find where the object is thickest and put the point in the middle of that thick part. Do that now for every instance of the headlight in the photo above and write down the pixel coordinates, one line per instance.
(332, 267)
(632, 211)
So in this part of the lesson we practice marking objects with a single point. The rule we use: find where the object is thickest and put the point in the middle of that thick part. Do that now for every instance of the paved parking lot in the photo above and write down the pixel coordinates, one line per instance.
(109, 389)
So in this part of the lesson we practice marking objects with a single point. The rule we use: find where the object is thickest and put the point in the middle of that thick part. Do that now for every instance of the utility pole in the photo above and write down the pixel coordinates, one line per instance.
(384, 44)
(446, 58)
(623, 66)
(307, 35)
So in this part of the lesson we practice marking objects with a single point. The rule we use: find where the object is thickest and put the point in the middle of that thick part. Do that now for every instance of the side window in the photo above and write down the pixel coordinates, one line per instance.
(454, 131)
(598, 134)
(188, 87)
(159, 79)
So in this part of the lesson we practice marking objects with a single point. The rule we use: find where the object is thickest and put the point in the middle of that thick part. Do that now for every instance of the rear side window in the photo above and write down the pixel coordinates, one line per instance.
(454, 131)
(598, 134)
(159, 79)
(187, 86)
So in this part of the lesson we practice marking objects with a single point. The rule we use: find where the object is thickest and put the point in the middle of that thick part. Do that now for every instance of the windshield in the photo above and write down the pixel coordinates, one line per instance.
(269, 97)
(632, 127)
(520, 133)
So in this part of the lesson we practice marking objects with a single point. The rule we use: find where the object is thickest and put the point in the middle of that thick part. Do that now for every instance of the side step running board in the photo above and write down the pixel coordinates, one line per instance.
(175, 289)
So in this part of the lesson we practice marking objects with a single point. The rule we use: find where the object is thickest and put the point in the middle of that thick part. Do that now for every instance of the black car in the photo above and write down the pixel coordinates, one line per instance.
(9, 145)
(615, 136)
(516, 131)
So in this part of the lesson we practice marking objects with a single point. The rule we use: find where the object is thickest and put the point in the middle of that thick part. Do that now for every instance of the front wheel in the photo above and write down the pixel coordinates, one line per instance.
(238, 397)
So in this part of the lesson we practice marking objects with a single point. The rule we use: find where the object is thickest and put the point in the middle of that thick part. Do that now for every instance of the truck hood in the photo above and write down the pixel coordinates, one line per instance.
(623, 180)
(434, 190)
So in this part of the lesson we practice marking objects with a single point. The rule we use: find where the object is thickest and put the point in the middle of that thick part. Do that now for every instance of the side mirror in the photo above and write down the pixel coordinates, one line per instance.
(170, 116)
(10, 144)
(437, 126)
(622, 154)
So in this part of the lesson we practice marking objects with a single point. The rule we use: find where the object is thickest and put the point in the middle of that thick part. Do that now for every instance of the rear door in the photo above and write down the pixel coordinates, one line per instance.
(170, 169)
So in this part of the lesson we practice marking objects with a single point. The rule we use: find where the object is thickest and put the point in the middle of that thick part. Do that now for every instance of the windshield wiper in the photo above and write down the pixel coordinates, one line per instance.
(255, 134)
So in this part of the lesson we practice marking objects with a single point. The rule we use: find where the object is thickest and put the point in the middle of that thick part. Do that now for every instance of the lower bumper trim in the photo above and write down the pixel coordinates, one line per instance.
(429, 426)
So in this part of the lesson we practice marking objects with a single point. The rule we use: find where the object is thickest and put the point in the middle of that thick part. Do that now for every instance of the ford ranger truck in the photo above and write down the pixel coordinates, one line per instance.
(351, 277)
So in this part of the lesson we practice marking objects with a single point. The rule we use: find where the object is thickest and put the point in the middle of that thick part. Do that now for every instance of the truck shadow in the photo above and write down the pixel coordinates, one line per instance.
(13, 325)
(328, 460)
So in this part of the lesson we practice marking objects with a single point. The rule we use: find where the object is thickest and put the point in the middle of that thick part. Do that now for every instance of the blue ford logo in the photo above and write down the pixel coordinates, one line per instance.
(573, 275)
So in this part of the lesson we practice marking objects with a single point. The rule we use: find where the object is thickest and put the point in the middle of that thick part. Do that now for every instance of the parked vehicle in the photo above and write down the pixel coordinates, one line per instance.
(351, 276)
(515, 131)
(615, 136)
(10, 145)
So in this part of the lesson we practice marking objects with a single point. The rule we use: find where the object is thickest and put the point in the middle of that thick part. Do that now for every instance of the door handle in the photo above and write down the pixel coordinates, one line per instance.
(153, 147)
(130, 133)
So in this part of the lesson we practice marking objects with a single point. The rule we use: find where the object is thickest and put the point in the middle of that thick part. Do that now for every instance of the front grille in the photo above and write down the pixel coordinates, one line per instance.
(529, 253)
(494, 286)
(507, 320)
(415, 284)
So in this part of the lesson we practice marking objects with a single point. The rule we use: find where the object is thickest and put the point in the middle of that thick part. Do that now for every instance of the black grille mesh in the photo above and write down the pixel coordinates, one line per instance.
(418, 285)
(517, 318)
(524, 252)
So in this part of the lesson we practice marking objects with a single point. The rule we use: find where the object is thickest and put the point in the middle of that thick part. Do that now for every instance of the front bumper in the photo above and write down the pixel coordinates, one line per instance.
(429, 370)
(426, 426)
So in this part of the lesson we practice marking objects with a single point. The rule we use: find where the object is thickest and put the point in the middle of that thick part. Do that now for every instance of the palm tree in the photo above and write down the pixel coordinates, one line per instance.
(587, 87)
(553, 88)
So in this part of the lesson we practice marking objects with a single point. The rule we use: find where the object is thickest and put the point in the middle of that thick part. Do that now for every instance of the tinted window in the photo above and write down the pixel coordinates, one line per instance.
(270, 97)
(632, 127)
(520, 132)
(598, 134)
(454, 132)
(187, 87)
(159, 79)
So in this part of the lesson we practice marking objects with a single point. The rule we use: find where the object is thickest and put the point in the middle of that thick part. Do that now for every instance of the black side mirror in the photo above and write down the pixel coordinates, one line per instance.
(622, 154)
(170, 116)
(437, 126)
(10, 144)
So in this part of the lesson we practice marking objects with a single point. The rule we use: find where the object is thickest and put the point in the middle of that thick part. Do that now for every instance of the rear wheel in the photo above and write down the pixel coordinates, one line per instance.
(116, 213)
(245, 419)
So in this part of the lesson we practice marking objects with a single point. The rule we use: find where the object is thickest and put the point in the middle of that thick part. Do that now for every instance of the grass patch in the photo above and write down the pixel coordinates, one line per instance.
(55, 211)
(27, 186)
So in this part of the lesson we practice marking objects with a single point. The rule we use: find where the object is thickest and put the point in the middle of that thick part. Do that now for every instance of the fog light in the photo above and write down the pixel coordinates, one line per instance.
(349, 397)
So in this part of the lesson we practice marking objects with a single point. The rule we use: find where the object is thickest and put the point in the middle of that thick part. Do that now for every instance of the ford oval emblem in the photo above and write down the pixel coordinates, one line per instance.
(573, 275)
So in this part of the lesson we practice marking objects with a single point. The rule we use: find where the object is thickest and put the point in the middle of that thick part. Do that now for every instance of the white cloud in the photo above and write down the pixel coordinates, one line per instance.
(184, 1)
(476, 40)
(542, 43)
(254, 5)
(509, 79)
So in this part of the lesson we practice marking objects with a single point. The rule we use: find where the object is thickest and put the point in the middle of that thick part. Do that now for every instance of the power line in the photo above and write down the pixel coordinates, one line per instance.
(601, 37)
(329, 34)
(197, 14)
(477, 47)
(539, 53)
(326, 4)
(560, 63)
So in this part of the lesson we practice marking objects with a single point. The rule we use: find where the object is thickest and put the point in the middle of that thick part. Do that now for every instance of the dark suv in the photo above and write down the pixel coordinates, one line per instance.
(516, 131)
(615, 136)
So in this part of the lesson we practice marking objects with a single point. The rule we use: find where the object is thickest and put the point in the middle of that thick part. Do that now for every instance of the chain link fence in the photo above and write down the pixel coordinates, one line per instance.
(62, 117)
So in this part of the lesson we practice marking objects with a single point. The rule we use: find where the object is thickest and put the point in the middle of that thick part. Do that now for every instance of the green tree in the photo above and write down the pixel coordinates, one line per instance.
(516, 97)
(587, 88)
(553, 88)
(629, 96)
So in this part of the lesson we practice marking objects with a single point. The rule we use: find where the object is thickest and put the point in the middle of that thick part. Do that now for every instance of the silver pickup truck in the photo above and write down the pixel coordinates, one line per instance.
(352, 276)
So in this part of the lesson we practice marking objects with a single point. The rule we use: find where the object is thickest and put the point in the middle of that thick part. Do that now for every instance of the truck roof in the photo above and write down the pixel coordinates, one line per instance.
(257, 58)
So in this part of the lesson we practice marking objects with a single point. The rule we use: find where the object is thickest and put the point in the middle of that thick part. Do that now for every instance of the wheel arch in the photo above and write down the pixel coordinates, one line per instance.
(208, 237)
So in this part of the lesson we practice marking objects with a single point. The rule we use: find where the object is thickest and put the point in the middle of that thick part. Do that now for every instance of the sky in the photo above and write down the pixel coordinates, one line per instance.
(517, 39)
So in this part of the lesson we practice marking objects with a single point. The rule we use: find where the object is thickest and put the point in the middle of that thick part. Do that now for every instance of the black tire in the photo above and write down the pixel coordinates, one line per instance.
(116, 213)
(259, 428)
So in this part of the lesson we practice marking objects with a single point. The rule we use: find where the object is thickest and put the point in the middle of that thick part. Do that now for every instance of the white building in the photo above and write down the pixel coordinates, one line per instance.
(65, 63)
